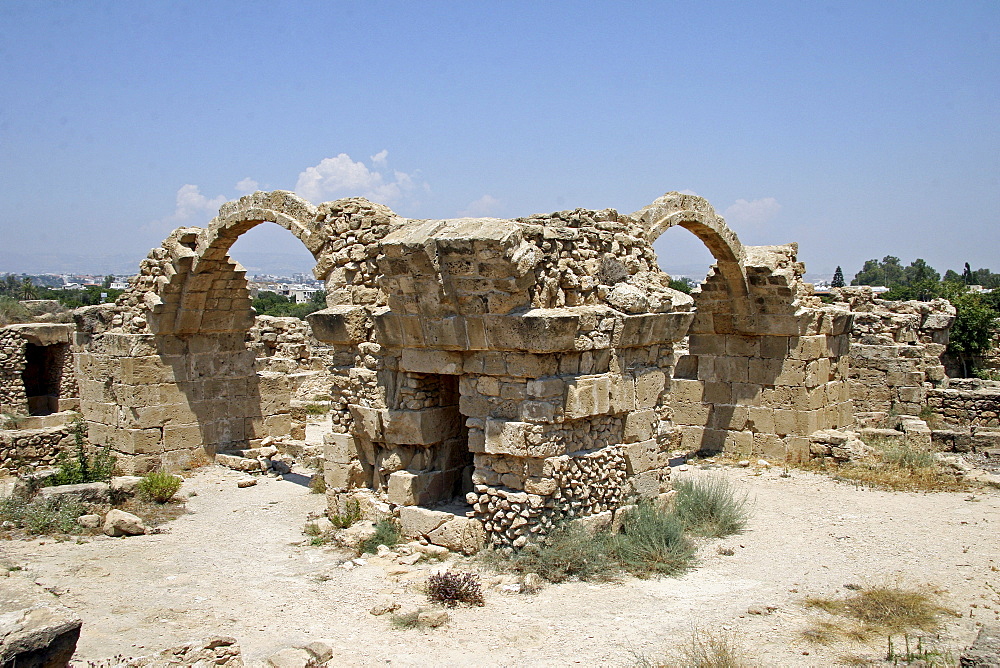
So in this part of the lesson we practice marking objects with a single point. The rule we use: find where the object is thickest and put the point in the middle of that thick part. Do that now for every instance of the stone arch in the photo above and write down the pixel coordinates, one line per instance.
(205, 290)
(696, 215)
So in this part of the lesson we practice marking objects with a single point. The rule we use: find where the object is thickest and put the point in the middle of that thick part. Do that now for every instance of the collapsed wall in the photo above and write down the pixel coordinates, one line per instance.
(896, 349)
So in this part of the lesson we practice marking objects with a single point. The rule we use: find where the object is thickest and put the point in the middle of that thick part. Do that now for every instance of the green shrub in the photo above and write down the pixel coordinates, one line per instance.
(710, 507)
(450, 588)
(317, 409)
(568, 551)
(53, 515)
(386, 533)
(652, 541)
(98, 466)
(352, 513)
(158, 486)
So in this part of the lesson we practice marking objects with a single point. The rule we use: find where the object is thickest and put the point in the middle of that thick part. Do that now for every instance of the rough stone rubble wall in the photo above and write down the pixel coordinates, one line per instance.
(758, 384)
(967, 401)
(896, 348)
(12, 362)
(14, 340)
(33, 447)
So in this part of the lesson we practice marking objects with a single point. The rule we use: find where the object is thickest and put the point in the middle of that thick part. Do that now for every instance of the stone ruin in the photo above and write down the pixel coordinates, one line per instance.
(486, 378)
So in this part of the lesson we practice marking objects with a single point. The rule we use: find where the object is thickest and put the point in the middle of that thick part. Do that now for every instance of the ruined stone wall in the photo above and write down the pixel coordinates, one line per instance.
(967, 401)
(528, 345)
(33, 447)
(896, 348)
(758, 384)
(12, 397)
(59, 373)
(283, 338)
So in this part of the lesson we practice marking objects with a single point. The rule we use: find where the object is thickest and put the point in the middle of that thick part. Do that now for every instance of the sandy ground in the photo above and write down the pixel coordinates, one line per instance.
(238, 564)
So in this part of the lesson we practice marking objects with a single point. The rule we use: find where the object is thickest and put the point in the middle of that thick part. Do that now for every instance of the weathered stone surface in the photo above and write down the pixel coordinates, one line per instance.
(35, 630)
(120, 523)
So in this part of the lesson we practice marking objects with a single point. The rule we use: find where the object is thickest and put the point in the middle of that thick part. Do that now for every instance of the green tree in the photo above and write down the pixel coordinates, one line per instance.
(838, 278)
(28, 290)
(972, 333)
(108, 280)
(319, 298)
(683, 284)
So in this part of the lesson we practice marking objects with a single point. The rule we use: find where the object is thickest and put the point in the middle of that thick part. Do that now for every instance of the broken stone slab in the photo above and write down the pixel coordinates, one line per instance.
(462, 534)
(86, 492)
(35, 630)
(238, 463)
(125, 484)
(416, 521)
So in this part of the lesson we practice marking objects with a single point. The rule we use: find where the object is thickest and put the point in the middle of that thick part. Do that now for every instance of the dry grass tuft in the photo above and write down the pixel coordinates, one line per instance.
(704, 649)
(874, 612)
(900, 467)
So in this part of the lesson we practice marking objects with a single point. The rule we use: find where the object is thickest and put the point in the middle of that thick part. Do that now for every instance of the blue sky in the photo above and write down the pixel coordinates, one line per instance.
(857, 129)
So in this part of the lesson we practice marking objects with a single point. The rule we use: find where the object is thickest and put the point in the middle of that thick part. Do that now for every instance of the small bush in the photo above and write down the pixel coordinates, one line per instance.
(568, 551)
(98, 466)
(48, 516)
(317, 483)
(317, 409)
(710, 507)
(652, 541)
(159, 486)
(352, 513)
(386, 533)
(450, 588)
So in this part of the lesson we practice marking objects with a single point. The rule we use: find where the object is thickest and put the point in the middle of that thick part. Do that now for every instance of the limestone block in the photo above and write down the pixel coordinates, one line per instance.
(537, 330)
(366, 421)
(740, 346)
(507, 437)
(623, 397)
(739, 443)
(345, 325)
(707, 344)
(145, 441)
(808, 347)
(649, 385)
(447, 333)
(431, 361)
(526, 365)
(145, 370)
(728, 417)
(416, 521)
(774, 347)
(462, 534)
(176, 437)
(645, 456)
(36, 630)
(649, 484)
(686, 390)
(761, 419)
(339, 448)
(688, 413)
(277, 425)
(537, 411)
(408, 489)
(421, 427)
(336, 475)
(540, 486)
(542, 388)
(718, 393)
(588, 395)
(640, 425)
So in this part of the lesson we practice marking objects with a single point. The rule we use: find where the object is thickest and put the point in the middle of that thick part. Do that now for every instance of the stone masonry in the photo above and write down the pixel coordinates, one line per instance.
(36, 369)
(488, 377)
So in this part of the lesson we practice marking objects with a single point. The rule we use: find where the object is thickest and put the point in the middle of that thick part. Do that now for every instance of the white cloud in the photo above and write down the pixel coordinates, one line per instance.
(343, 177)
(246, 186)
(191, 203)
(688, 191)
(752, 212)
(482, 207)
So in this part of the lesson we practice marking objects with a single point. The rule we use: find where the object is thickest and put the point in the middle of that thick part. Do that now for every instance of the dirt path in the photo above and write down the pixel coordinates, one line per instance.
(236, 565)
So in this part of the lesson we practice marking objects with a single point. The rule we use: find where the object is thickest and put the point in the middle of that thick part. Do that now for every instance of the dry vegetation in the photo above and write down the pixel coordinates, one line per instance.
(704, 649)
(898, 467)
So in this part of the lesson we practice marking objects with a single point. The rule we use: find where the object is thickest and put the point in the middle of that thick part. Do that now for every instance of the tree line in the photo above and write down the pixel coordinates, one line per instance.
(977, 313)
